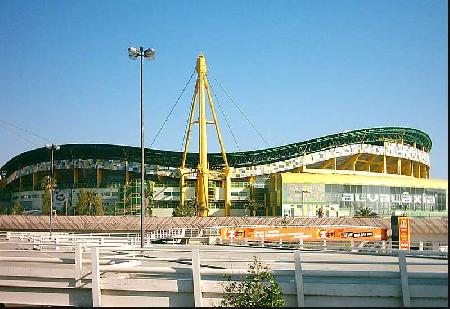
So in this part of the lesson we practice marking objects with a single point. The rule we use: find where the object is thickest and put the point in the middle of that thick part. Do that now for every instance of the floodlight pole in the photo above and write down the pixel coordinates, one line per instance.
(141, 54)
(148, 53)
(51, 193)
(52, 147)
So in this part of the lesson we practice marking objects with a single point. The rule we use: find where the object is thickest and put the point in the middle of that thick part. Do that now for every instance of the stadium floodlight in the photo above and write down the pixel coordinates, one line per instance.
(133, 53)
(52, 147)
(149, 53)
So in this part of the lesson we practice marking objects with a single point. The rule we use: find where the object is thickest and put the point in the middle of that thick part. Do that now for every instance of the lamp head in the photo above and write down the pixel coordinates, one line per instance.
(149, 53)
(133, 52)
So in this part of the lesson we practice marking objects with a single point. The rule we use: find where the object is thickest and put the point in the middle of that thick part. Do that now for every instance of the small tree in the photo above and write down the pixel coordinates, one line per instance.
(17, 208)
(47, 183)
(365, 212)
(253, 206)
(200, 208)
(188, 209)
(149, 200)
(258, 288)
(89, 203)
(320, 212)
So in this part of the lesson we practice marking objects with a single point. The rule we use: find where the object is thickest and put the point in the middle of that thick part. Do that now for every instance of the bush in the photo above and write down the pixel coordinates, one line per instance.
(258, 288)
(17, 208)
(188, 209)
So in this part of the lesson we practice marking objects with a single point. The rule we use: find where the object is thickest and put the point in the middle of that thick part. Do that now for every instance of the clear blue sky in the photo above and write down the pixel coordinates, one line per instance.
(298, 70)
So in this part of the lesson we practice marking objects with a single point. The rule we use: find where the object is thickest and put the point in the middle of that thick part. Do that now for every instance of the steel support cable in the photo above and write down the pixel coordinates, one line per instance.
(240, 110)
(24, 130)
(171, 110)
(225, 117)
(186, 126)
(21, 136)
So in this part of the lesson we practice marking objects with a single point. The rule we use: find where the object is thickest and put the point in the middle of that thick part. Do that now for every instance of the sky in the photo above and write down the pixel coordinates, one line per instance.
(296, 69)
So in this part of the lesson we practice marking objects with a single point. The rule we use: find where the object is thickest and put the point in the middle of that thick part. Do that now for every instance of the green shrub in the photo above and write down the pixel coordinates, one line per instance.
(258, 288)
(17, 208)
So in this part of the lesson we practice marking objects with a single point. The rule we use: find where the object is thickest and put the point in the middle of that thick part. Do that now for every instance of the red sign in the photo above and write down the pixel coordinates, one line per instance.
(403, 233)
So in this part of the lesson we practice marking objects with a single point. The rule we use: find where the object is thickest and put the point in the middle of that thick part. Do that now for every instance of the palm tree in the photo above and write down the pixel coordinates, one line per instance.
(17, 208)
(149, 200)
(253, 206)
(365, 212)
(47, 183)
(188, 209)
(89, 203)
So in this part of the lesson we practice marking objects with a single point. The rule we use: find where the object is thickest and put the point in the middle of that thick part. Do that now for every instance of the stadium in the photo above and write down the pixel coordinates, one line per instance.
(384, 169)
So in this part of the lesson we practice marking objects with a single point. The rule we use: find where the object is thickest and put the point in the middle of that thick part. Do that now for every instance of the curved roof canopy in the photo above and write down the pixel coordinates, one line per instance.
(374, 136)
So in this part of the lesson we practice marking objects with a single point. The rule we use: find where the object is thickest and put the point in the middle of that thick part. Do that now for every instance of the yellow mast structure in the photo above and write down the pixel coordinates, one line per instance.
(203, 172)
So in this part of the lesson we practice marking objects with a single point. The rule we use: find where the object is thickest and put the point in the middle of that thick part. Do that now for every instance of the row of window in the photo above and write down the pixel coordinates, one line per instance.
(171, 193)
(241, 193)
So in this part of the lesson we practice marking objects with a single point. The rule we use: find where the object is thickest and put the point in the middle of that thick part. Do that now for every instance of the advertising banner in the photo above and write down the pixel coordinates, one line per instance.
(403, 233)
(307, 233)
(59, 199)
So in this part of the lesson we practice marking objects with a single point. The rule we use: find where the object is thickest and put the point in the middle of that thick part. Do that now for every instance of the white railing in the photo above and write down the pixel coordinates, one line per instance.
(382, 247)
(109, 274)
(42, 240)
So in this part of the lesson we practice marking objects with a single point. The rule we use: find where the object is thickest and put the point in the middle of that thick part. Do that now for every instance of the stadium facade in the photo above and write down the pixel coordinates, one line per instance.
(386, 169)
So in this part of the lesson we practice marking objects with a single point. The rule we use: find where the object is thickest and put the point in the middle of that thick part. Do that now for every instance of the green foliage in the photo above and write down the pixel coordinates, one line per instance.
(285, 221)
(365, 212)
(17, 208)
(320, 212)
(149, 198)
(89, 203)
(258, 288)
(188, 209)
(46, 203)
(200, 208)
(253, 206)
(47, 183)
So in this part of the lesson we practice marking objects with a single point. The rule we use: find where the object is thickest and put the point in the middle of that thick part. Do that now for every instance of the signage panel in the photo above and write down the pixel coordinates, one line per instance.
(307, 233)
(403, 233)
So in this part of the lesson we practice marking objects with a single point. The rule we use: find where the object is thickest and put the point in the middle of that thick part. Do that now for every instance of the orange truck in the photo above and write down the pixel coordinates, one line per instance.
(307, 233)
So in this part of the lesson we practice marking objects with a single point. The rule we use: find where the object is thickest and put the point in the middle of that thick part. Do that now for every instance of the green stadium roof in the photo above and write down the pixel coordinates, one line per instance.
(374, 136)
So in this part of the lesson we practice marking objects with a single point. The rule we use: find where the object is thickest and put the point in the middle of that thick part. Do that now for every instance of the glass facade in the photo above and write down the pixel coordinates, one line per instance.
(384, 200)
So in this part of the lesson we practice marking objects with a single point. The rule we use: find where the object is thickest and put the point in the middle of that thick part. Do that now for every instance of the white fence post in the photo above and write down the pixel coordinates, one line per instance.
(196, 278)
(56, 242)
(301, 243)
(299, 280)
(421, 246)
(324, 245)
(404, 279)
(78, 264)
(95, 274)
